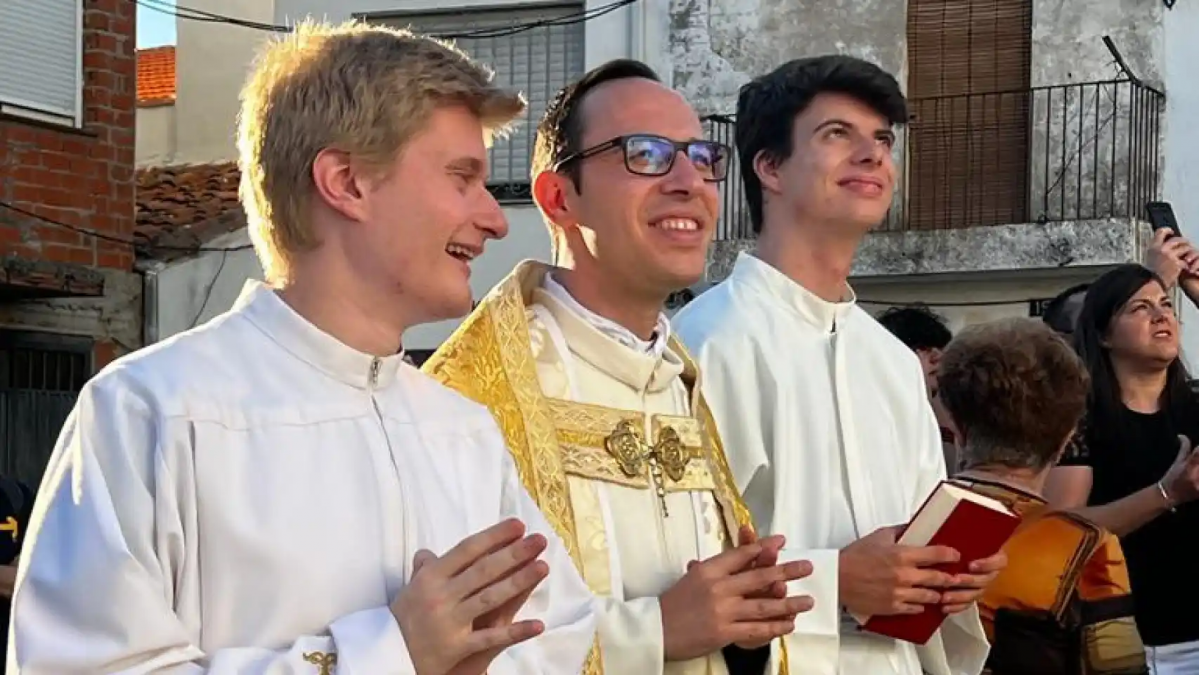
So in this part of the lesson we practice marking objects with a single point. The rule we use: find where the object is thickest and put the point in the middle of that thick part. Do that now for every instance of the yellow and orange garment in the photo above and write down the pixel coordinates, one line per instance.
(1063, 605)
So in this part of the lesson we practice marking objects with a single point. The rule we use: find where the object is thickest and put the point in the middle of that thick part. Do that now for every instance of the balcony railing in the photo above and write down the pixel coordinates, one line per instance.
(1047, 154)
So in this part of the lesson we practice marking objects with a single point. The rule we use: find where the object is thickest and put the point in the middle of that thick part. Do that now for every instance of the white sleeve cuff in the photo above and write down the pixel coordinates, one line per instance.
(630, 636)
(824, 619)
(369, 642)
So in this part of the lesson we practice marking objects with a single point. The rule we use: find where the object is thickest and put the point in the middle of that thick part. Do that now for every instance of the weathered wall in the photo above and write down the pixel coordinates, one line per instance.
(113, 321)
(1092, 152)
(718, 45)
(1182, 140)
(83, 178)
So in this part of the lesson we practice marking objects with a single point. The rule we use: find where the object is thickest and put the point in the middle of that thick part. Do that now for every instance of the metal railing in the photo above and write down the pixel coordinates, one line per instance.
(1047, 154)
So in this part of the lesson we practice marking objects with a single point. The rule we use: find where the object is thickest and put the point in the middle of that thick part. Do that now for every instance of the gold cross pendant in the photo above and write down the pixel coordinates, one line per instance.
(323, 660)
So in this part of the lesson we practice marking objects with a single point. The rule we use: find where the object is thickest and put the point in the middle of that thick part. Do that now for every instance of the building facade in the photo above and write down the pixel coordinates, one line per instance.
(1039, 127)
(69, 301)
(1039, 130)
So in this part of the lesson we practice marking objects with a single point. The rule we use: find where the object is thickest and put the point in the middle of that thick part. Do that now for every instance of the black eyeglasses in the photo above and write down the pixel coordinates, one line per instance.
(648, 155)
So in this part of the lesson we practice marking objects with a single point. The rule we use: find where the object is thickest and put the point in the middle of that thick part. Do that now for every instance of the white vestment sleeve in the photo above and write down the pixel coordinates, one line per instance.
(741, 392)
(96, 583)
(563, 602)
(631, 638)
(960, 647)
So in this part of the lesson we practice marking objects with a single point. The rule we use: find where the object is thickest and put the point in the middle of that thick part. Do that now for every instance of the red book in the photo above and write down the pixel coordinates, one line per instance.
(953, 516)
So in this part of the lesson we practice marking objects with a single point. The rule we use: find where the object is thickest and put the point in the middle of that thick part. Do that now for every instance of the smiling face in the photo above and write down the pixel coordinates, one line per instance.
(840, 171)
(1145, 329)
(429, 216)
(647, 234)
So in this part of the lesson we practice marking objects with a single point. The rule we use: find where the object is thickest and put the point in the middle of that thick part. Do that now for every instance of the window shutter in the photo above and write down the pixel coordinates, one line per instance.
(969, 76)
(40, 45)
(535, 61)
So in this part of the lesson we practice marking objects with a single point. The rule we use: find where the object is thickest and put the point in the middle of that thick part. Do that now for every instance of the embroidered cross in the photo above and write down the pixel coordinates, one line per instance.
(323, 660)
(632, 454)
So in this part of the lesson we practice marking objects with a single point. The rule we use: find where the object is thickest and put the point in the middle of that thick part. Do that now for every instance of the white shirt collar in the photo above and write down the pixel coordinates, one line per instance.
(265, 309)
(655, 346)
(753, 272)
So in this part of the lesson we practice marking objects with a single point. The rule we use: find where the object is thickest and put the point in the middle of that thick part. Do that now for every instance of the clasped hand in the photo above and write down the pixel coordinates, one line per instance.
(880, 576)
(458, 612)
(737, 597)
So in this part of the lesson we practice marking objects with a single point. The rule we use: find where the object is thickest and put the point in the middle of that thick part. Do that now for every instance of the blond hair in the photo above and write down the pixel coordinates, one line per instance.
(362, 89)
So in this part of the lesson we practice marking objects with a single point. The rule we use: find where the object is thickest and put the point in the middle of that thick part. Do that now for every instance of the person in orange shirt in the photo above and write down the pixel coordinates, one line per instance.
(1063, 606)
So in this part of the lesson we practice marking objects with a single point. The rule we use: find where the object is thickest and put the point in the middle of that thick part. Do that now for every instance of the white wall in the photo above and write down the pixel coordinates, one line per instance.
(211, 62)
(181, 287)
(193, 291)
(155, 140)
(1182, 139)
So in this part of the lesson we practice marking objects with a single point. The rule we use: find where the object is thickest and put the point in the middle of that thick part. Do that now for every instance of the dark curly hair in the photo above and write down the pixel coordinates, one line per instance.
(560, 133)
(917, 326)
(1015, 390)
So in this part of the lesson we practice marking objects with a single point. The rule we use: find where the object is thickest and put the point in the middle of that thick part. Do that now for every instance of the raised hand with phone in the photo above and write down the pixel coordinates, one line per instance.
(1171, 256)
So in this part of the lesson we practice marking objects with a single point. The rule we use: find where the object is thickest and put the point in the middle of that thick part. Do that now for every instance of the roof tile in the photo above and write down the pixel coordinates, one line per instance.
(184, 207)
(156, 76)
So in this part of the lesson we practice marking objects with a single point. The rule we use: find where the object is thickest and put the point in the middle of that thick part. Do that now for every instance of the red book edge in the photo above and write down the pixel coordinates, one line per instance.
(976, 532)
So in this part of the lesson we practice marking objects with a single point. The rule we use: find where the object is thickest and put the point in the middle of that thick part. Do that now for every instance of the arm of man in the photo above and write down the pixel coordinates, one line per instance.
(742, 396)
(8, 579)
(562, 602)
(95, 595)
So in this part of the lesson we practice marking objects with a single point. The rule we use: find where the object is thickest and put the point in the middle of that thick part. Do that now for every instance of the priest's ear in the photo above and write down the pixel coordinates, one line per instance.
(553, 193)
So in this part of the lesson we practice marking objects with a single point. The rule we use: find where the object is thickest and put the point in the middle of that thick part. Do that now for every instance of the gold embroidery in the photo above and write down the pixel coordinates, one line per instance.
(672, 454)
(323, 660)
(11, 525)
(625, 446)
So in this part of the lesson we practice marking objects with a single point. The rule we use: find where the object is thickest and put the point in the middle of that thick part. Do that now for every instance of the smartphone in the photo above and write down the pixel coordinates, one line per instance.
(1161, 216)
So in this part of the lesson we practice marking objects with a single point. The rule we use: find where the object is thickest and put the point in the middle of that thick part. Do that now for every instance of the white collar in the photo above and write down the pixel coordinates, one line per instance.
(827, 316)
(655, 346)
(265, 309)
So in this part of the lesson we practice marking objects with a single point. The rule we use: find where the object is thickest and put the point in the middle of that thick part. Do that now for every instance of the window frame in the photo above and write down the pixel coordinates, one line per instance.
(510, 192)
(37, 112)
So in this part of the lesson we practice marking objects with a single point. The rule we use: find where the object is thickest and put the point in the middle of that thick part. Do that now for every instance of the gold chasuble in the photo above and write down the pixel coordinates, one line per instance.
(591, 467)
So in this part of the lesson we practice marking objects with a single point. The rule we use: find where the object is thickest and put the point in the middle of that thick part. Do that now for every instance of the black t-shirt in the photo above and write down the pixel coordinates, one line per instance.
(1160, 565)
(16, 504)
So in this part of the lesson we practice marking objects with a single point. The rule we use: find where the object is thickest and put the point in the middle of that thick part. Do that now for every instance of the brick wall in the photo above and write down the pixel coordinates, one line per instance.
(81, 177)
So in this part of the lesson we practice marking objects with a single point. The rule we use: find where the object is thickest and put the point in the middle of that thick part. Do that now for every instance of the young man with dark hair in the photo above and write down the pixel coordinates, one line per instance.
(599, 402)
(824, 413)
(925, 333)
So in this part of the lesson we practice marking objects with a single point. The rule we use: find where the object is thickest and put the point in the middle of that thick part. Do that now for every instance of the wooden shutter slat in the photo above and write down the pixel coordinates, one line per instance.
(968, 152)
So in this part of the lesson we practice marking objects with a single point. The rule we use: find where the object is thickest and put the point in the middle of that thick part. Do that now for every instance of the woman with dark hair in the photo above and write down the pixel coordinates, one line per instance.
(1130, 466)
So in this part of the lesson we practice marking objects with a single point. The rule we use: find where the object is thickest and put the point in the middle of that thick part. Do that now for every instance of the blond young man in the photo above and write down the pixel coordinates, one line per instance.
(277, 491)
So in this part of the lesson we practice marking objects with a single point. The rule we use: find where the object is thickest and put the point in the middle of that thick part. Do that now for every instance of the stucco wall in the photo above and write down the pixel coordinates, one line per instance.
(190, 292)
(1182, 139)
(718, 45)
(211, 62)
(155, 136)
